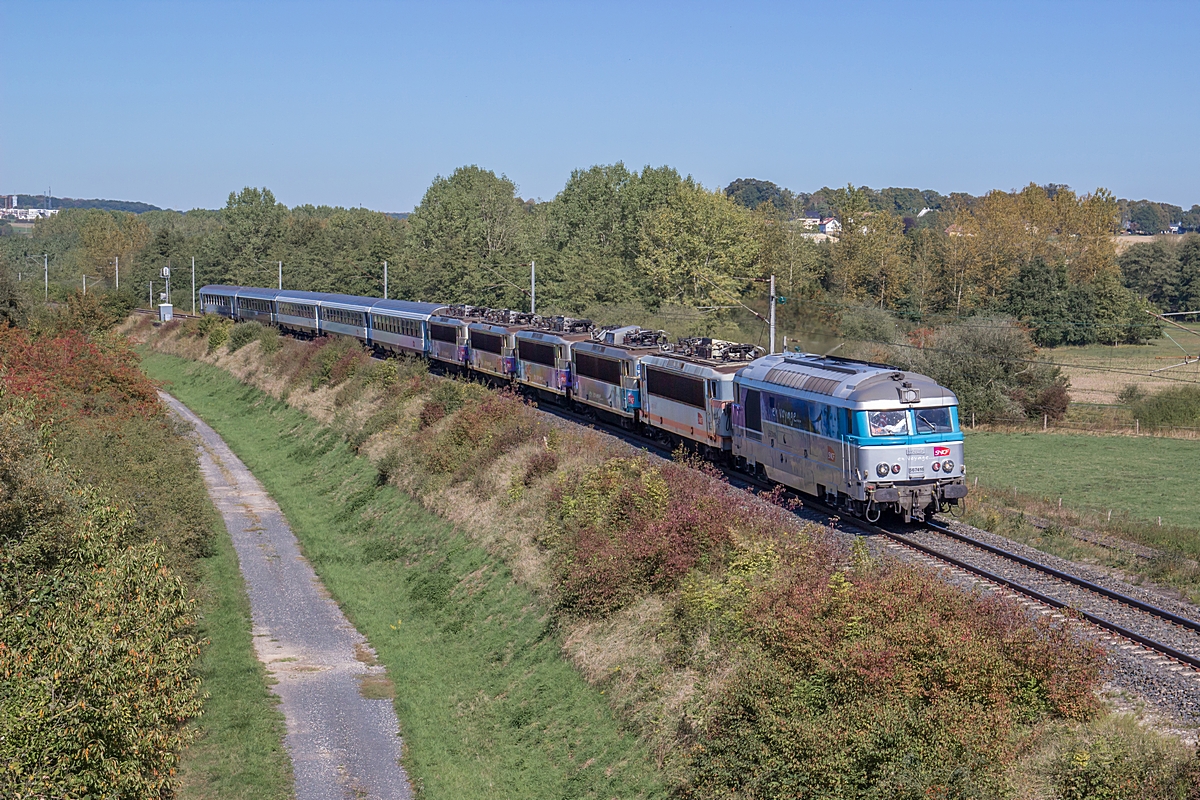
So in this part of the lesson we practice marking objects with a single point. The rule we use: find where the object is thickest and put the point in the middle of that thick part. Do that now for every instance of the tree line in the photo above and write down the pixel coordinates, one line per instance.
(652, 239)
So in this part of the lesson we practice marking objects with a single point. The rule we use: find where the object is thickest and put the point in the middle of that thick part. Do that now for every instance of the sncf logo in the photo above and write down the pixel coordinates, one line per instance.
(941, 451)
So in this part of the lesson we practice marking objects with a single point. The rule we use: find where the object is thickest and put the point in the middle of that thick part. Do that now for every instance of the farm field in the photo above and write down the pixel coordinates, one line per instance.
(1098, 372)
(1145, 476)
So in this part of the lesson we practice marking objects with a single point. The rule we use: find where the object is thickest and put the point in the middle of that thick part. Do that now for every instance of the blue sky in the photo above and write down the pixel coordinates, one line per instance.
(178, 103)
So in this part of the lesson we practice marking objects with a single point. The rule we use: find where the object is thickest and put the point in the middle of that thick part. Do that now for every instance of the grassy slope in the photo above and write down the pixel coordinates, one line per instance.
(1147, 477)
(240, 753)
(487, 706)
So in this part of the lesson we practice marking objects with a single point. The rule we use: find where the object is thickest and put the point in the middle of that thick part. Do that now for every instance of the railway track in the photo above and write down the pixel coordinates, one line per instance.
(1125, 622)
(1131, 626)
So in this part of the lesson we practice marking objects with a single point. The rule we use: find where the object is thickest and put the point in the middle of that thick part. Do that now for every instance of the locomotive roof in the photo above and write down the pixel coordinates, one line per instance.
(619, 351)
(690, 365)
(858, 382)
(554, 337)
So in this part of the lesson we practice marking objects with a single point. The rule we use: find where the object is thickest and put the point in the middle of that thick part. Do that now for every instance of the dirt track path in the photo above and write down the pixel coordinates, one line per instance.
(342, 745)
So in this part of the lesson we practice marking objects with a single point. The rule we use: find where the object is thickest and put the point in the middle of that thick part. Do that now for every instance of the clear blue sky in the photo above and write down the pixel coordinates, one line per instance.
(344, 103)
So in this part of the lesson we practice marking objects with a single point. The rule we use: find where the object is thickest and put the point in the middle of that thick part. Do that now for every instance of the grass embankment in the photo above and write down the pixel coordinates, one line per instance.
(1136, 479)
(756, 657)
(238, 753)
(487, 706)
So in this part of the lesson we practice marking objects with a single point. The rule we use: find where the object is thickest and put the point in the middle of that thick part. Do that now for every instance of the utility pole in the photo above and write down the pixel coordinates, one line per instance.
(85, 285)
(117, 272)
(385, 297)
(46, 269)
(533, 286)
(152, 294)
(281, 276)
(772, 320)
(193, 284)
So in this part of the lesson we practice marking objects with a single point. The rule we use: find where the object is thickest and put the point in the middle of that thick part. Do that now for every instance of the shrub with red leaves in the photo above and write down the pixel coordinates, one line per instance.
(70, 375)
(630, 526)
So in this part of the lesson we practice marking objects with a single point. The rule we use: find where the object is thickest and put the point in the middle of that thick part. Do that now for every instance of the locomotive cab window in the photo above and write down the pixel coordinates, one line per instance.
(888, 423)
(689, 391)
(443, 333)
(934, 420)
(753, 410)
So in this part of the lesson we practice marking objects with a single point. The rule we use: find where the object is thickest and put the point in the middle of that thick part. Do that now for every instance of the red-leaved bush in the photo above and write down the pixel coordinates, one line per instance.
(70, 375)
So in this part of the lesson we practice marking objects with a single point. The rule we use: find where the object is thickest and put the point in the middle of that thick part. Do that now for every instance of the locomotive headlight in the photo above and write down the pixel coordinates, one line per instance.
(936, 466)
(895, 469)
(882, 470)
(947, 466)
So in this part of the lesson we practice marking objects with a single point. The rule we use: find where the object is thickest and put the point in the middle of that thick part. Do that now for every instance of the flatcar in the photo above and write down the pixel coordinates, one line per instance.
(866, 437)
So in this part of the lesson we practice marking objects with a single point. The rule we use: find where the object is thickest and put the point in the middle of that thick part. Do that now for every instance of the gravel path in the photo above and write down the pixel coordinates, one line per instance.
(342, 745)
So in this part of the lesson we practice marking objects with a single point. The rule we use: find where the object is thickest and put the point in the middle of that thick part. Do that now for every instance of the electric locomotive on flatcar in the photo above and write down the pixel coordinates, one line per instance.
(687, 390)
(606, 369)
(544, 354)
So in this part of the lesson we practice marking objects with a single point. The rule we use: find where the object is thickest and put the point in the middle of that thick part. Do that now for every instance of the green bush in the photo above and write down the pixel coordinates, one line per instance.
(218, 334)
(97, 657)
(1178, 406)
(1120, 761)
(268, 339)
(243, 334)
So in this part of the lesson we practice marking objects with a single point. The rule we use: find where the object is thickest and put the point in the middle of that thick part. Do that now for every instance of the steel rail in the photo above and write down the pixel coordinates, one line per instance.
(1033, 594)
(660, 448)
(1111, 594)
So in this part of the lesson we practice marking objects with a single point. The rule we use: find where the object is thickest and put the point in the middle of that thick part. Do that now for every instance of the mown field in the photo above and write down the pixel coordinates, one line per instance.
(1098, 372)
(1147, 477)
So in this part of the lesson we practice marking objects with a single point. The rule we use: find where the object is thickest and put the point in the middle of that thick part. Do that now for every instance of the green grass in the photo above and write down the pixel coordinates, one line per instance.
(1144, 476)
(240, 752)
(487, 706)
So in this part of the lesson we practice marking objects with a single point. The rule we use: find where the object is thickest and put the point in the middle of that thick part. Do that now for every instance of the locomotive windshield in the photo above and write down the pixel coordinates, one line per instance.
(888, 423)
(933, 420)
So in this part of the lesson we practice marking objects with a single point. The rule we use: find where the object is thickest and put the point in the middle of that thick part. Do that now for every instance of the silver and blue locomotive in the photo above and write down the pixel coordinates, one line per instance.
(866, 437)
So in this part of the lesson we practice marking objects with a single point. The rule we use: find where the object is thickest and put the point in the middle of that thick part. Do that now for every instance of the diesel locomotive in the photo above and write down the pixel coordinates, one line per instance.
(868, 438)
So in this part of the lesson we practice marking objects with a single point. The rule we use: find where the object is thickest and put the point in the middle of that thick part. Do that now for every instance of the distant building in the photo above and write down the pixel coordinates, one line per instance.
(27, 214)
(810, 223)
(830, 225)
